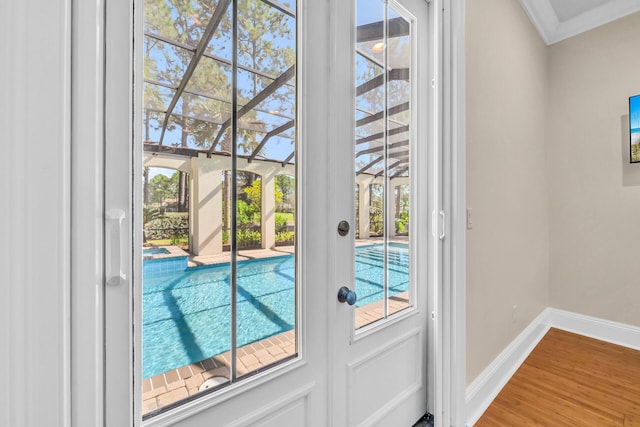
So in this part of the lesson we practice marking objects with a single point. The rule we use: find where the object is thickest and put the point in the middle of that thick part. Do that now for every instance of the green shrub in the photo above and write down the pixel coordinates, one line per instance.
(167, 227)
(248, 237)
(402, 223)
(281, 220)
(285, 236)
(244, 213)
(179, 240)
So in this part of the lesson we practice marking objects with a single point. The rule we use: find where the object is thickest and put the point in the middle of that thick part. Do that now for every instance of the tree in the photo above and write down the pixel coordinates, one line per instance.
(285, 185)
(161, 188)
(266, 42)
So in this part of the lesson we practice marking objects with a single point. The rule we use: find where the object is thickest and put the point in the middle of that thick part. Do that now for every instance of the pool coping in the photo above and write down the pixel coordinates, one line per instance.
(177, 384)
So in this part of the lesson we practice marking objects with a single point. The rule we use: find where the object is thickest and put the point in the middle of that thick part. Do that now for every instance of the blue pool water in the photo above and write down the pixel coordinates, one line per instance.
(186, 312)
(154, 251)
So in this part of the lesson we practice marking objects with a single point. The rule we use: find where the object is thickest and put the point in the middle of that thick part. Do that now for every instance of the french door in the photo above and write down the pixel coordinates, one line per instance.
(365, 246)
(379, 369)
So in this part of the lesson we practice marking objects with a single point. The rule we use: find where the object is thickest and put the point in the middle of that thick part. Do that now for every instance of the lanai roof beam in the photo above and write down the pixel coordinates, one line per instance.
(370, 165)
(261, 96)
(396, 27)
(380, 114)
(380, 148)
(207, 96)
(379, 135)
(282, 8)
(218, 13)
(268, 136)
(208, 55)
(377, 81)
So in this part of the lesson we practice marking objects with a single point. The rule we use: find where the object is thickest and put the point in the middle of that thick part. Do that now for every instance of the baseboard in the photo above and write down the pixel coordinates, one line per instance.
(490, 382)
(593, 327)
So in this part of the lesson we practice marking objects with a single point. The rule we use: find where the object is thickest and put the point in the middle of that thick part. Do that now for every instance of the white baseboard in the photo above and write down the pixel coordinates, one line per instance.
(490, 382)
(481, 392)
(593, 327)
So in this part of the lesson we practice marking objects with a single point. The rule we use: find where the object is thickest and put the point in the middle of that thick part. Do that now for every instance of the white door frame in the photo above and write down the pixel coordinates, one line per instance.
(87, 299)
(454, 189)
(450, 353)
(87, 160)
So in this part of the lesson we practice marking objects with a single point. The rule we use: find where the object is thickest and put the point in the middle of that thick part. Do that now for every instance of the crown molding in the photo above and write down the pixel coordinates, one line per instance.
(544, 18)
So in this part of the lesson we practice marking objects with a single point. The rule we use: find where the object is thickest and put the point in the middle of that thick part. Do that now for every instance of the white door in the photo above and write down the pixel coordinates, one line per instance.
(380, 344)
(342, 365)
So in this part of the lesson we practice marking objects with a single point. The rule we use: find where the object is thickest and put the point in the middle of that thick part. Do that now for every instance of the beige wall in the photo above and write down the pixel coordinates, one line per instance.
(594, 191)
(508, 247)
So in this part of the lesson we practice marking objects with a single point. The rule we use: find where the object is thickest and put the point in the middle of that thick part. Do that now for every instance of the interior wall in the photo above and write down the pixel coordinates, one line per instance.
(594, 191)
(507, 248)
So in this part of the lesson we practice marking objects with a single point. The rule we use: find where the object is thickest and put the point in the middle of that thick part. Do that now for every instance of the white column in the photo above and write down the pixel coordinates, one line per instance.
(364, 200)
(390, 214)
(207, 206)
(268, 217)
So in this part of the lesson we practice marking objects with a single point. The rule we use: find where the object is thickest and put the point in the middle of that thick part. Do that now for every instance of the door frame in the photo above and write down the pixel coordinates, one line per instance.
(87, 223)
(454, 301)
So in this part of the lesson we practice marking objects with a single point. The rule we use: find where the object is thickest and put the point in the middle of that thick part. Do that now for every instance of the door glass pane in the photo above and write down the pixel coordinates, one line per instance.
(382, 160)
(219, 276)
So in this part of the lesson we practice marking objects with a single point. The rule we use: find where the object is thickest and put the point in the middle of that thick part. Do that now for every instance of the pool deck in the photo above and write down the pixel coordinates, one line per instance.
(243, 255)
(173, 386)
(186, 381)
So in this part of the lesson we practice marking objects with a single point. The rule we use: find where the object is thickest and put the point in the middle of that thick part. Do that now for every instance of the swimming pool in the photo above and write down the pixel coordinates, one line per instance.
(154, 251)
(186, 314)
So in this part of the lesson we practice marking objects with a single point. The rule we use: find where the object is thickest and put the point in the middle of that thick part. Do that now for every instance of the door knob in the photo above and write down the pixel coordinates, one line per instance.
(347, 295)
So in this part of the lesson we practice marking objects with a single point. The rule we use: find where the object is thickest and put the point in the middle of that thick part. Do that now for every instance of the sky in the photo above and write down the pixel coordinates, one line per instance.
(634, 112)
(278, 147)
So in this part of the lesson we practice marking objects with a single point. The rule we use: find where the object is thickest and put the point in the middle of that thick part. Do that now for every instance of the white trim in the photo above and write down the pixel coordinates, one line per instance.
(481, 392)
(35, 212)
(450, 269)
(458, 232)
(543, 17)
(87, 145)
(593, 327)
(490, 382)
(551, 30)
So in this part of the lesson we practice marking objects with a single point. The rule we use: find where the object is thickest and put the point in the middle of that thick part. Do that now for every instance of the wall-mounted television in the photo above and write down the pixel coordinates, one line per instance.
(634, 127)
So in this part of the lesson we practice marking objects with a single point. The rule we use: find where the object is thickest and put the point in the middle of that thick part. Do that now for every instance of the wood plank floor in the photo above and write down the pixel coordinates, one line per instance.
(571, 380)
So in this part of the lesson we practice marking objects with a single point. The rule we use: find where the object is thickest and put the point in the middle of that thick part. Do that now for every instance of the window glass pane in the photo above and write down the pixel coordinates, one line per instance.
(383, 116)
(219, 266)
(265, 210)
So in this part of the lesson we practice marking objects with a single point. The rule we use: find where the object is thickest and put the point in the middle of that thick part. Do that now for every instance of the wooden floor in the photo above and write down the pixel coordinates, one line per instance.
(571, 380)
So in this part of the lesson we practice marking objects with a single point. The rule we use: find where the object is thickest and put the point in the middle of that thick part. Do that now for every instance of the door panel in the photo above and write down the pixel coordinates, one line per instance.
(293, 391)
(400, 385)
(379, 369)
(345, 368)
